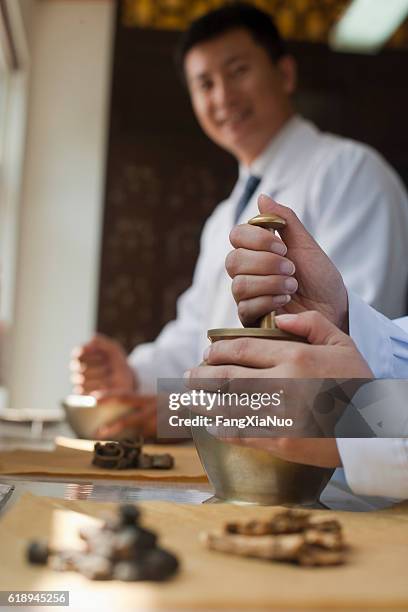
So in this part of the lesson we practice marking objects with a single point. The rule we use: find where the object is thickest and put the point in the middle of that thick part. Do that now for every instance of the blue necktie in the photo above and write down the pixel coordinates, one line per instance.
(250, 188)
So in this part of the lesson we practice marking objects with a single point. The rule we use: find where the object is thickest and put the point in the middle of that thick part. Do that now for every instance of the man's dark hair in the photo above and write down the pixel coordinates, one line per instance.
(229, 17)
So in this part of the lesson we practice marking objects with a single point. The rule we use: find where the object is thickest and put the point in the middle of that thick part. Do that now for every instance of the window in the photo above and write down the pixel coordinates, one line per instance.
(13, 93)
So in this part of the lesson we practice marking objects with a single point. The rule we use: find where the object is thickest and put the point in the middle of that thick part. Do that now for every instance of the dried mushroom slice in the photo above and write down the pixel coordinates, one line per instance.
(119, 549)
(314, 556)
(323, 523)
(164, 461)
(290, 535)
(263, 547)
(129, 571)
(108, 455)
(95, 567)
(331, 540)
(128, 454)
(65, 560)
(289, 521)
(145, 461)
(132, 445)
(286, 521)
(38, 552)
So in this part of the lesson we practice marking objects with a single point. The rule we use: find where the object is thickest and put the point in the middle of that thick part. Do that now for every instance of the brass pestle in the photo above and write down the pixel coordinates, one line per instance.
(244, 474)
(267, 326)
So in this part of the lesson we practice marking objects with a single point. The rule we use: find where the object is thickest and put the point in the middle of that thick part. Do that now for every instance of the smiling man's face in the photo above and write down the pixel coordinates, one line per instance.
(241, 98)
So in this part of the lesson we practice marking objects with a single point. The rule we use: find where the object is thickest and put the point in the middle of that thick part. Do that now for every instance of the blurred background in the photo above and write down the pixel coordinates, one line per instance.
(106, 179)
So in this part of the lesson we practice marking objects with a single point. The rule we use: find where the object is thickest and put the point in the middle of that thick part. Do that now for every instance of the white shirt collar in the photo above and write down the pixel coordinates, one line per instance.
(276, 157)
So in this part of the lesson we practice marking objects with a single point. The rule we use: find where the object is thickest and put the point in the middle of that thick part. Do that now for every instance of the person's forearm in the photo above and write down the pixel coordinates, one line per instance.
(168, 357)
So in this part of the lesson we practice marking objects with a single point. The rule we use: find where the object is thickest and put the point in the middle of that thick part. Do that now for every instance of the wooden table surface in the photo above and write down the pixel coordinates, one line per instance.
(374, 576)
(182, 495)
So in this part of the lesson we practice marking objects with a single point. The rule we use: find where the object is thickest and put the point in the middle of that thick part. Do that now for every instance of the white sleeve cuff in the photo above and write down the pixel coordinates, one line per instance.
(375, 466)
(383, 343)
(369, 330)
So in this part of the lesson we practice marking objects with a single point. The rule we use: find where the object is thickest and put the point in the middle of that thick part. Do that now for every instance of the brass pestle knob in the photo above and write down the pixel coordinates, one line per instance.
(267, 326)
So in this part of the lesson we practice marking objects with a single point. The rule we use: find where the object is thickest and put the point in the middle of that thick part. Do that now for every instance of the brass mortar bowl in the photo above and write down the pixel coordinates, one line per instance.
(240, 474)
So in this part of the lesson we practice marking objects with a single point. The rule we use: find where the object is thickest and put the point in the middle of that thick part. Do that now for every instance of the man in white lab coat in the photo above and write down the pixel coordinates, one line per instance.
(241, 82)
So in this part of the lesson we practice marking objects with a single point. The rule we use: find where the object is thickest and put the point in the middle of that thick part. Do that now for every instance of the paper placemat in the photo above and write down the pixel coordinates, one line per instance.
(72, 457)
(375, 576)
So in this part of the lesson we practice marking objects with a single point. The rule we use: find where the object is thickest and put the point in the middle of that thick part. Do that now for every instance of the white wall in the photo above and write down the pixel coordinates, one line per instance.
(14, 95)
(63, 181)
